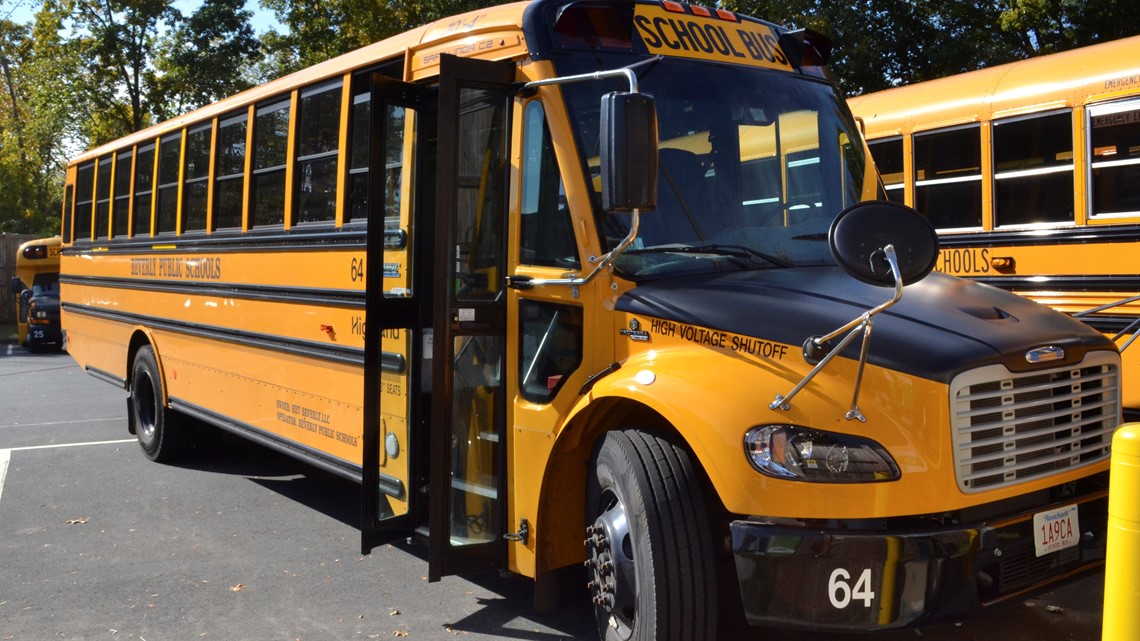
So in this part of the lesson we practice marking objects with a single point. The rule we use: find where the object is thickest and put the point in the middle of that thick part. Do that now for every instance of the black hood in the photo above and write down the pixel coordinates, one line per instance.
(942, 326)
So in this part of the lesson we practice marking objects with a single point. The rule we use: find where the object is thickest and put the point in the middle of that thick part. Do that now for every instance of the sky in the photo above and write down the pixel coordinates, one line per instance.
(23, 11)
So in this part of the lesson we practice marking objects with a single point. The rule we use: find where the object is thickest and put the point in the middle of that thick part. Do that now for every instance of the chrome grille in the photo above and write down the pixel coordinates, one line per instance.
(1011, 427)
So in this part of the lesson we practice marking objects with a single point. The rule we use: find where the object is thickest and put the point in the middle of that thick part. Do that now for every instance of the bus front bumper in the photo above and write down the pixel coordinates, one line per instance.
(851, 579)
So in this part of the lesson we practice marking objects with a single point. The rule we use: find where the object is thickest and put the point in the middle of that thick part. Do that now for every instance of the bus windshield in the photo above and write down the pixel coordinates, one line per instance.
(754, 165)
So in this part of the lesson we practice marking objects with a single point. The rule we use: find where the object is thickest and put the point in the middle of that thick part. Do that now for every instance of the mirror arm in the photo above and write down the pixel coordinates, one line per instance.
(861, 325)
(627, 73)
(605, 260)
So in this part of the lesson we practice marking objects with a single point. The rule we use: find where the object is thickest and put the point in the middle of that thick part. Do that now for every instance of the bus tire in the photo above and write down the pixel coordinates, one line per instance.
(649, 545)
(158, 429)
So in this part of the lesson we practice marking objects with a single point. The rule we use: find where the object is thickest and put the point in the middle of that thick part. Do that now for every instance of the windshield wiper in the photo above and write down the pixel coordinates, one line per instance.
(735, 251)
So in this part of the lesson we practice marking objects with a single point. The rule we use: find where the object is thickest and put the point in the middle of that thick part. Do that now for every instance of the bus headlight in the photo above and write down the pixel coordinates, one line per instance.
(803, 454)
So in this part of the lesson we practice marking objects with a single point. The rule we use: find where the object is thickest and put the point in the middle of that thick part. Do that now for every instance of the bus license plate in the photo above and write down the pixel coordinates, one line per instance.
(1056, 530)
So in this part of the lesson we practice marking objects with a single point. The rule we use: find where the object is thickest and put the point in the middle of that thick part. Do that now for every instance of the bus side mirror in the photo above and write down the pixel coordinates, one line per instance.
(628, 152)
(16, 285)
(860, 233)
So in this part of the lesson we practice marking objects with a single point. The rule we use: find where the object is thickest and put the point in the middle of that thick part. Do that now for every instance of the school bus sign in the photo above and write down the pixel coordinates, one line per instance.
(690, 36)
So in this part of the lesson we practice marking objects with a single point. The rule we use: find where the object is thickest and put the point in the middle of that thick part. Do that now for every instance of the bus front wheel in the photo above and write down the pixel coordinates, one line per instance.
(649, 546)
(156, 427)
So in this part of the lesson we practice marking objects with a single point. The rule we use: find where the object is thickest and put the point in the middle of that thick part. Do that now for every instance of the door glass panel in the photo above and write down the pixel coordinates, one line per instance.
(479, 221)
(477, 386)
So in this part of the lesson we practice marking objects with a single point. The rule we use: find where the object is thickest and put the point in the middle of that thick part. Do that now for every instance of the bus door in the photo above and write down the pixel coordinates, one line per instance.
(389, 119)
(437, 328)
(468, 436)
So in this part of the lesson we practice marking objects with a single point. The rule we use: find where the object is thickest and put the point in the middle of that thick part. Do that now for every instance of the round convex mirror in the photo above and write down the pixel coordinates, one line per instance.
(860, 232)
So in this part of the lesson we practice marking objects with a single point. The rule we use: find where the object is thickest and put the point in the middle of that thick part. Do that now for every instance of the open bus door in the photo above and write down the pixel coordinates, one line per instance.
(466, 346)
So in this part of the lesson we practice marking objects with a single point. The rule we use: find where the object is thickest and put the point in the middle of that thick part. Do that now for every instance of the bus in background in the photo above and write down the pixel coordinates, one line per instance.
(604, 272)
(1031, 173)
(35, 288)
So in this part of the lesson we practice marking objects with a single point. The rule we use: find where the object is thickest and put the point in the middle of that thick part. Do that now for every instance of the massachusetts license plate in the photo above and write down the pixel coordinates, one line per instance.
(1056, 530)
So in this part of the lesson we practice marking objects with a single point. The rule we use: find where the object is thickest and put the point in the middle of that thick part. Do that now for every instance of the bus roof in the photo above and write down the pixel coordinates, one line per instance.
(432, 36)
(1054, 81)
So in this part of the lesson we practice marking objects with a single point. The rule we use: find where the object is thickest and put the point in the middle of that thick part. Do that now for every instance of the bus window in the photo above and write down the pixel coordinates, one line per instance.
(550, 350)
(229, 183)
(1114, 154)
(121, 213)
(948, 177)
(196, 178)
(357, 207)
(144, 188)
(84, 200)
(547, 234)
(271, 139)
(103, 198)
(888, 155)
(318, 137)
(1033, 170)
(169, 153)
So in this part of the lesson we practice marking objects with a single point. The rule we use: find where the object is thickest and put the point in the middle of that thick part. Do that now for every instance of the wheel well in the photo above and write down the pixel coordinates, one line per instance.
(562, 507)
(139, 339)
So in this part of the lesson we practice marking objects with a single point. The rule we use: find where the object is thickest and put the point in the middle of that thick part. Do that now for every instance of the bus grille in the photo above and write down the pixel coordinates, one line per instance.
(1012, 427)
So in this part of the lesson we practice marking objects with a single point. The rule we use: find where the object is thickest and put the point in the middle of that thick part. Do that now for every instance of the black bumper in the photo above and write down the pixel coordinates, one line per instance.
(850, 580)
(44, 336)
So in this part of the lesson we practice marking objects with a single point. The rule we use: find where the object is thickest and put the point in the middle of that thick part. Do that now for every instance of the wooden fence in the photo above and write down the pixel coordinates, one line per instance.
(9, 243)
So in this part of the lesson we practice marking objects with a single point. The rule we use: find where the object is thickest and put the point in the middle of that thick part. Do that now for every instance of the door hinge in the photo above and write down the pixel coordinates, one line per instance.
(523, 535)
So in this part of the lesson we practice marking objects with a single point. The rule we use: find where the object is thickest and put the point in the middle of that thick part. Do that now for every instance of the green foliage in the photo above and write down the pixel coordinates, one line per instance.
(208, 56)
(885, 43)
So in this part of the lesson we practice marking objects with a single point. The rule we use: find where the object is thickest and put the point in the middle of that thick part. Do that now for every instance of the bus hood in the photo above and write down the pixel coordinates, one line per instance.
(942, 326)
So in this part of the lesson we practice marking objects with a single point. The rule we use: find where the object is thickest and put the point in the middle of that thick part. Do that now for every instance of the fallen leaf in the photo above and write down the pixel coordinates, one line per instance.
(1055, 609)
(237, 588)
(393, 613)
(400, 633)
(79, 521)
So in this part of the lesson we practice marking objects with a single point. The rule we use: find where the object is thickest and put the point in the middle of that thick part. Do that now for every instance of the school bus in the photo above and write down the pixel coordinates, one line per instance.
(602, 272)
(35, 288)
(1030, 172)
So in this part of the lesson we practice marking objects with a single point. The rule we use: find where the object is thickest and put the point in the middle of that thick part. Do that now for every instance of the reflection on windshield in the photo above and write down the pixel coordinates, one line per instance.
(749, 158)
(46, 284)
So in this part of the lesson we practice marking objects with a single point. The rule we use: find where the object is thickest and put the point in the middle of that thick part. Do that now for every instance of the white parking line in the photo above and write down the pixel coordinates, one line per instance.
(49, 424)
(6, 454)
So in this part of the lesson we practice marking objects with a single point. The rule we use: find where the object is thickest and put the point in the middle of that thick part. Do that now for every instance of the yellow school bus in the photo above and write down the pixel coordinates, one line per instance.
(1031, 173)
(603, 272)
(35, 288)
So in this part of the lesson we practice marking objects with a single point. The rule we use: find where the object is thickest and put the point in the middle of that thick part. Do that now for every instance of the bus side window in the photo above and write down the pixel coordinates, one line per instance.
(196, 178)
(121, 212)
(546, 232)
(229, 173)
(888, 155)
(1033, 170)
(1114, 157)
(318, 143)
(144, 189)
(169, 155)
(358, 150)
(103, 197)
(948, 177)
(84, 199)
(551, 347)
(68, 212)
(270, 155)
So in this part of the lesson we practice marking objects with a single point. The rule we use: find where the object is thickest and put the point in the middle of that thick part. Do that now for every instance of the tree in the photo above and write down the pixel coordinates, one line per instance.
(209, 56)
(118, 40)
(323, 29)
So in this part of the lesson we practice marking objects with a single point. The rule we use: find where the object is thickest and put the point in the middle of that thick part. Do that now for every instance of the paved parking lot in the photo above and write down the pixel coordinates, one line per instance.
(96, 542)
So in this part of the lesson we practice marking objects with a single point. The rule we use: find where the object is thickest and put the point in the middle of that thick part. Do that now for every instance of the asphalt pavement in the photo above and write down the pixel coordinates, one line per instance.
(97, 542)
